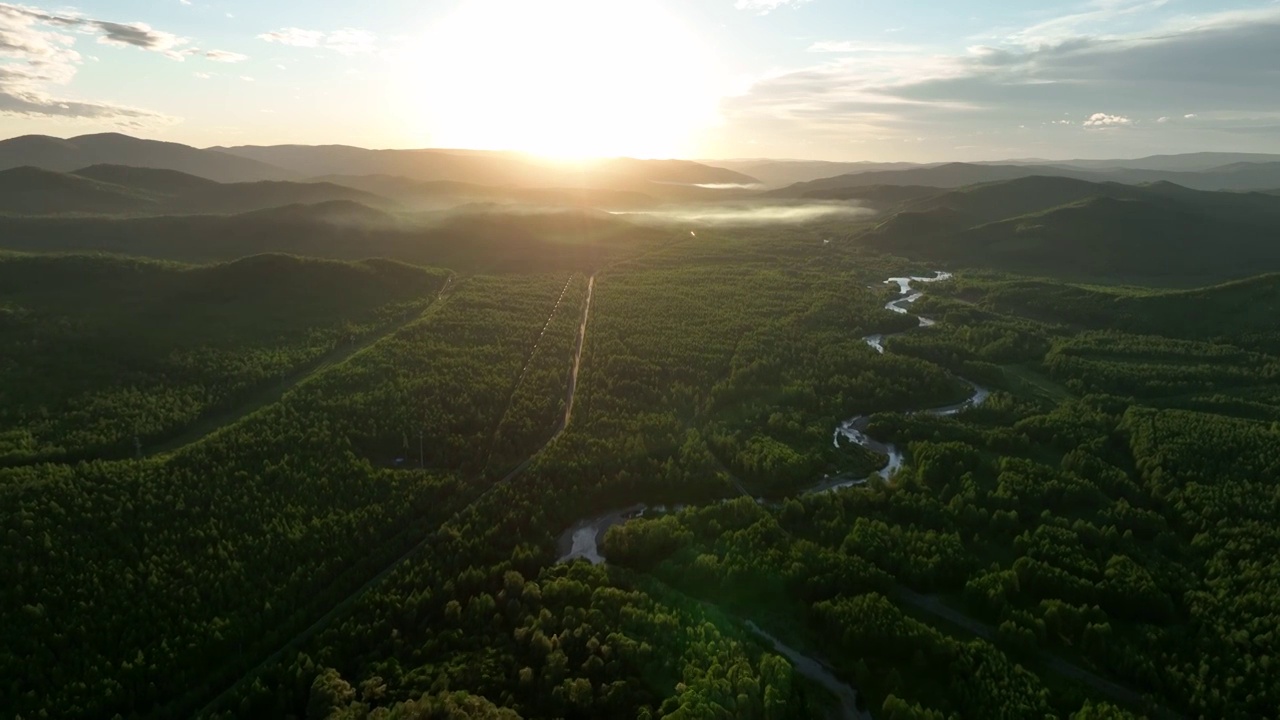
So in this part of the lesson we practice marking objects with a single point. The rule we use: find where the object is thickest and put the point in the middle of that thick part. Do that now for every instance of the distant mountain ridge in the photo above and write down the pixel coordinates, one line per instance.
(1234, 176)
(435, 194)
(494, 168)
(1088, 229)
(783, 173)
(471, 238)
(51, 153)
(300, 162)
(122, 190)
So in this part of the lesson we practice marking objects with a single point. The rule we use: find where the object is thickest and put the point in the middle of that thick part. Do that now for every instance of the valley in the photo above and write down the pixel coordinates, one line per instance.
(562, 460)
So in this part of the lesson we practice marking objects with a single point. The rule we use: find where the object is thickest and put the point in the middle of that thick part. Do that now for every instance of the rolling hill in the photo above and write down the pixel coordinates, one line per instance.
(483, 238)
(51, 153)
(949, 175)
(1063, 226)
(1182, 162)
(490, 168)
(1237, 176)
(33, 191)
(434, 195)
(123, 190)
(878, 197)
(781, 173)
(1240, 312)
(155, 180)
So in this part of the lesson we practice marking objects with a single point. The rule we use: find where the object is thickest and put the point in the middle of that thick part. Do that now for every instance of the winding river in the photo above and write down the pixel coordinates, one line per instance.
(583, 539)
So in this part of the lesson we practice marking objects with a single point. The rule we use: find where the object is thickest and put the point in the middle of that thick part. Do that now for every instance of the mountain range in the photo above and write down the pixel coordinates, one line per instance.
(1232, 176)
(1086, 229)
(415, 177)
(126, 190)
(50, 153)
(676, 178)
(781, 173)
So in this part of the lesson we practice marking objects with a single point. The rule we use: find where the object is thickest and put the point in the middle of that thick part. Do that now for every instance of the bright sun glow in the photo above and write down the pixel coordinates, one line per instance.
(566, 78)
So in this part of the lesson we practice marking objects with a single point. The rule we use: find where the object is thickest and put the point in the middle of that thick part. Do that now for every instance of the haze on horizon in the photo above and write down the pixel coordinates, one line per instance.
(917, 80)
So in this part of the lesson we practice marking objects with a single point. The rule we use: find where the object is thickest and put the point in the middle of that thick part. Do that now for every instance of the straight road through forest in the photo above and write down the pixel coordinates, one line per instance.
(296, 641)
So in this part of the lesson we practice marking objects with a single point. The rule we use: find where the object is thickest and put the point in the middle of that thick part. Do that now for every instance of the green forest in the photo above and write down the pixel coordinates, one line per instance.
(281, 486)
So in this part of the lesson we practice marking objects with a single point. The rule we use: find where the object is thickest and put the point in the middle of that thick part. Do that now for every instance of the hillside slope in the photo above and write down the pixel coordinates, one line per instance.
(1238, 176)
(32, 191)
(102, 349)
(432, 195)
(124, 190)
(471, 238)
(487, 168)
(1065, 226)
(1240, 312)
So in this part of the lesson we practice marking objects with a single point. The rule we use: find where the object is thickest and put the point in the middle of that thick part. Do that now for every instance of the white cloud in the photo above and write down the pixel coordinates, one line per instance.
(1162, 120)
(37, 54)
(1191, 116)
(1223, 61)
(297, 37)
(1103, 120)
(225, 56)
(1100, 14)
(348, 41)
(764, 7)
(246, 78)
(203, 75)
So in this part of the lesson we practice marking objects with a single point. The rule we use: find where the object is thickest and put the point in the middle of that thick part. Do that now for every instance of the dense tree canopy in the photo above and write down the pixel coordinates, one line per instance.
(1096, 540)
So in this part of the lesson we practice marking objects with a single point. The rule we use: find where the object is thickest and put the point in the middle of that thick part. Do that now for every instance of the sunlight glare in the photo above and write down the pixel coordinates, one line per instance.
(564, 78)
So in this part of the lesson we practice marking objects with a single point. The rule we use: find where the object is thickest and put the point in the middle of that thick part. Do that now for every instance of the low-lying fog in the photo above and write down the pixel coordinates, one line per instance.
(754, 212)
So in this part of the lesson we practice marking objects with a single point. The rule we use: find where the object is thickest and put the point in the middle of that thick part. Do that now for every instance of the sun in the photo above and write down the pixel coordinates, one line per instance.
(563, 78)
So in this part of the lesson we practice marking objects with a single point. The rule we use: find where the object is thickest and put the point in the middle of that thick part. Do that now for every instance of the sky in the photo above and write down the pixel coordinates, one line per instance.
(911, 80)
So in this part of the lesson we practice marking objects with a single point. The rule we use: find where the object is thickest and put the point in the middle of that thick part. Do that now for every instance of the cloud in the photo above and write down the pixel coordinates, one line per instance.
(1103, 120)
(1100, 14)
(1162, 119)
(1221, 61)
(37, 53)
(296, 37)
(764, 7)
(348, 41)
(139, 35)
(224, 56)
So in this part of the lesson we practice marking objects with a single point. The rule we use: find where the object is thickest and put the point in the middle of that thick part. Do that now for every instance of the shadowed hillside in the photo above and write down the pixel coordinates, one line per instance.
(32, 191)
(430, 195)
(488, 168)
(1071, 227)
(126, 190)
(1240, 312)
(102, 349)
(470, 238)
(1235, 176)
